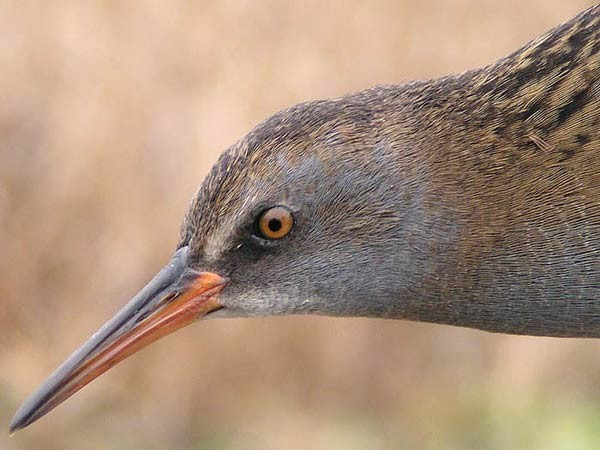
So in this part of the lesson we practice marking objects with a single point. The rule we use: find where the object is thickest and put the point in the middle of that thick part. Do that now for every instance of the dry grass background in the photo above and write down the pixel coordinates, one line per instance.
(112, 112)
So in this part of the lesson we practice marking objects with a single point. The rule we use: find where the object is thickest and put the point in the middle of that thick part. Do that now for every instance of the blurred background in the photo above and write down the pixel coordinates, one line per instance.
(111, 114)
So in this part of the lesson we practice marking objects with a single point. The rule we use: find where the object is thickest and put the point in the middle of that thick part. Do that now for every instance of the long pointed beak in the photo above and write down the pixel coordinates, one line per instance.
(174, 298)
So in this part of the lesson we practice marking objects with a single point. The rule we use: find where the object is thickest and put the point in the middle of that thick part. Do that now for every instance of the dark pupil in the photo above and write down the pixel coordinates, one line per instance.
(275, 225)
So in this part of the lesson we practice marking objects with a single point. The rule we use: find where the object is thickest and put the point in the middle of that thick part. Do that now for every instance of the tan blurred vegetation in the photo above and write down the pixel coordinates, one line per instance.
(112, 112)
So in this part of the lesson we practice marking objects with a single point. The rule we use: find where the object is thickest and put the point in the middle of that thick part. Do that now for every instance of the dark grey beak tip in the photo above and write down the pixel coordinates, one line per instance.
(16, 424)
(20, 420)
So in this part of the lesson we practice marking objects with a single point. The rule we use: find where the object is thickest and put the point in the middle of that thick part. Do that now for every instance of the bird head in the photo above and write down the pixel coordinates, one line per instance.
(309, 213)
(299, 216)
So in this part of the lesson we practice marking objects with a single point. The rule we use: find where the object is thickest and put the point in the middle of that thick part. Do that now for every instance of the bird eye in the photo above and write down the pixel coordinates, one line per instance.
(275, 223)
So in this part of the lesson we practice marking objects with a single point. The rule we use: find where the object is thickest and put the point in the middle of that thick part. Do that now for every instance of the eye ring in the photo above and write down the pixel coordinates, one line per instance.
(275, 223)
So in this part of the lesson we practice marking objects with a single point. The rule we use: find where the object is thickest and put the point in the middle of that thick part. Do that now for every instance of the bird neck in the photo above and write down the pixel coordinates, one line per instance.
(510, 155)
